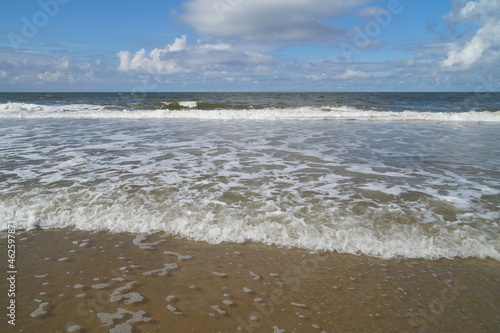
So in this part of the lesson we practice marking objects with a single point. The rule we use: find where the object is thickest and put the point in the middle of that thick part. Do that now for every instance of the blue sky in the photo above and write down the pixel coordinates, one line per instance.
(250, 45)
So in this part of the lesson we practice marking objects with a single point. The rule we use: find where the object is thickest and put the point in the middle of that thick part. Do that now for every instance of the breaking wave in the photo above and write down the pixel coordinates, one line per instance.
(195, 110)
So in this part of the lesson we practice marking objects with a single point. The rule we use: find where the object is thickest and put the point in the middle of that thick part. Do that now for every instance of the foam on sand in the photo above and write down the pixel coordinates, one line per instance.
(295, 288)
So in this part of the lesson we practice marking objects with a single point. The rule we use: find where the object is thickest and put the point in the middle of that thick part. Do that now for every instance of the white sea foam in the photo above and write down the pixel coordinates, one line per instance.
(39, 311)
(91, 111)
(383, 189)
(132, 297)
(219, 310)
(100, 285)
(162, 271)
(173, 309)
(178, 255)
(108, 319)
(188, 104)
(298, 304)
(139, 242)
(73, 328)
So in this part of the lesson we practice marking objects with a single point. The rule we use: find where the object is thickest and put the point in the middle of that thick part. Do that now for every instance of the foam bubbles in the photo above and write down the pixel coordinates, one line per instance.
(162, 271)
(132, 297)
(40, 310)
(190, 111)
(173, 309)
(139, 241)
(385, 189)
(179, 256)
(188, 104)
(74, 328)
(100, 285)
(107, 319)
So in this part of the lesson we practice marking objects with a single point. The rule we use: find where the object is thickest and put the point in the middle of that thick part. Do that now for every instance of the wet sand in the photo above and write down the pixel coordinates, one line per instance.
(74, 281)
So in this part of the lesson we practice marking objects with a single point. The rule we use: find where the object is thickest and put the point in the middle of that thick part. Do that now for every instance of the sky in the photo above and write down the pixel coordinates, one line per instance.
(250, 45)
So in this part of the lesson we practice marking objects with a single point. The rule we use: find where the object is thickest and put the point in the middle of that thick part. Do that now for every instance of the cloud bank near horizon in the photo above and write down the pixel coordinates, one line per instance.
(356, 45)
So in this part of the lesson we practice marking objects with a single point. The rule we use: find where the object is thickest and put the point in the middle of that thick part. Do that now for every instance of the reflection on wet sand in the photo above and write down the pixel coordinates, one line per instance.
(155, 283)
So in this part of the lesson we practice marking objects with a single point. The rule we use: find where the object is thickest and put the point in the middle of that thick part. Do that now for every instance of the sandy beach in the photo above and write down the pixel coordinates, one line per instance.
(75, 281)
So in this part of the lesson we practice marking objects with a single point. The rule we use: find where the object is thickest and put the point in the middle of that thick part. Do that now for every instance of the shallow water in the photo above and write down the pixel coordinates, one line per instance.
(386, 175)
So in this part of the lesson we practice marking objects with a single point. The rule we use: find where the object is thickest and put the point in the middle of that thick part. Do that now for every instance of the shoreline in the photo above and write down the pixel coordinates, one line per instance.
(77, 281)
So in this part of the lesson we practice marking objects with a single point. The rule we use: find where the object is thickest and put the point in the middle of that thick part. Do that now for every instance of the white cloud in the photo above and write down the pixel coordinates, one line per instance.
(25, 71)
(143, 63)
(178, 45)
(63, 62)
(155, 62)
(220, 46)
(353, 74)
(314, 77)
(484, 46)
(48, 76)
(287, 21)
(181, 57)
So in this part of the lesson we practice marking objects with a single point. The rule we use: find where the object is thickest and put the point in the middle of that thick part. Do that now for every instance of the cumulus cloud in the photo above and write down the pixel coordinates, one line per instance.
(180, 57)
(154, 62)
(314, 77)
(31, 71)
(286, 21)
(353, 74)
(484, 46)
(63, 62)
(48, 76)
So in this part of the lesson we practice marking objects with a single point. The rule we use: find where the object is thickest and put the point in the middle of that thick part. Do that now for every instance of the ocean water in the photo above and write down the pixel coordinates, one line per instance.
(391, 175)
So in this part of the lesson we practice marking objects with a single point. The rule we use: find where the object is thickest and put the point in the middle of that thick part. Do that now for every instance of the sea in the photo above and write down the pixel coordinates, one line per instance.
(388, 175)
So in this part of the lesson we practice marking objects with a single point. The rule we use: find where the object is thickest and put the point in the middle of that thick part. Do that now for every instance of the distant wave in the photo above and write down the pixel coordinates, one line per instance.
(195, 110)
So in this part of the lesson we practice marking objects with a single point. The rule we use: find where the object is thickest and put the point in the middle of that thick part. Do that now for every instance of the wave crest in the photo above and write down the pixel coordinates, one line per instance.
(195, 110)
